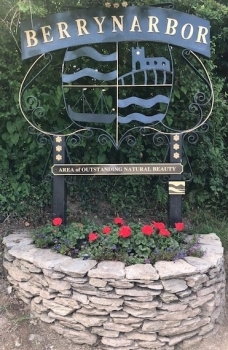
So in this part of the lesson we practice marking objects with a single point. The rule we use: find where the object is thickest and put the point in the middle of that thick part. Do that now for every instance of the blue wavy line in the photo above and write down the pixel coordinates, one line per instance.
(141, 118)
(89, 72)
(89, 52)
(146, 103)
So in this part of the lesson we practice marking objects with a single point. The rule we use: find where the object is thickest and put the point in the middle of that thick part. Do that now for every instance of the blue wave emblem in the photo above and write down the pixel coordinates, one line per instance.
(139, 106)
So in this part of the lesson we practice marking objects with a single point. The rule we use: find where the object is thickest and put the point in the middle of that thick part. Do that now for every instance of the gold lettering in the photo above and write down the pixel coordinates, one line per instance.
(99, 24)
(191, 30)
(63, 33)
(171, 26)
(81, 24)
(31, 38)
(135, 23)
(153, 21)
(202, 32)
(46, 34)
(116, 22)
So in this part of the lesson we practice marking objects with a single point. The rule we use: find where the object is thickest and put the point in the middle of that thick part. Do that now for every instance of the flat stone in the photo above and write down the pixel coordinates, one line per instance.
(71, 325)
(173, 307)
(39, 281)
(128, 321)
(178, 315)
(141, 336)
(93, 312)
(47, 295)
(67, 302)
(77, 337)
(97, 282)
(122, 284)
(137, 292)
(108, 269)
(157, 326)
(171, 269)
(200, 264)
(57, 308)
(76, 280)
(80, 297)
(57, 285)
(89, 321)
(151, 345)
(174, 285)
(141, 271)
(143, 305)
(52, 274)
(196, 280)
(107, 308)
(117, 327)
(45, 318)
(68, 319)
(42, 258)
(168, 297)
(16, 273)
(106, 302)
(142, 313)
(210, 238)
(185, 327)
(17, 239)
(117, 342)
(140, 299)
(185, 293)
(153, 285)
(38, 308)
(104, 332)
(119, 314)
(181, 337)
(29, 287)
(76, 267)
(8, 256)
(206, 291)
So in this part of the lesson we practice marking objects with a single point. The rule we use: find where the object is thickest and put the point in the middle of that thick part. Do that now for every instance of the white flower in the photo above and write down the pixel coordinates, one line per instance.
(108, 4)
(116, 5)
(124, 3)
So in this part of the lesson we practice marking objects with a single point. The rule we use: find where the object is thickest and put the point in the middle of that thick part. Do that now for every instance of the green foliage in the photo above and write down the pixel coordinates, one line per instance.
(132, 243)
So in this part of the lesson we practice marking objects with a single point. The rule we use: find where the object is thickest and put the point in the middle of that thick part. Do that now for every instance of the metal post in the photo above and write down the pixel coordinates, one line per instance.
(176, 186)
(59, 191)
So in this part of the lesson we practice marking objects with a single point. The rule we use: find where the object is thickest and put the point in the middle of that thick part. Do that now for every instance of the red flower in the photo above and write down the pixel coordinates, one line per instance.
(57, 221)
(164, 232)
(124, 231)
(179, 226)
(147, 230)
(106, 230)
(158, 225)
(93, 236)
(118, 221)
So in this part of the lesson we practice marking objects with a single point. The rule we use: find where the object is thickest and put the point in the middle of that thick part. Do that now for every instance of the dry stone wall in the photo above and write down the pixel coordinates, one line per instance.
(171, 305)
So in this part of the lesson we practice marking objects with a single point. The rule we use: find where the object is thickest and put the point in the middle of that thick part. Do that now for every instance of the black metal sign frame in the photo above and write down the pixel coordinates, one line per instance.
(97, 91)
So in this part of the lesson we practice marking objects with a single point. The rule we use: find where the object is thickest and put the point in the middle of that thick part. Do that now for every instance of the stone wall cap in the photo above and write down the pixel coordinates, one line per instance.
(141, 272)
(174, 269)
(17, 239)
(76, 267)
(108, 269)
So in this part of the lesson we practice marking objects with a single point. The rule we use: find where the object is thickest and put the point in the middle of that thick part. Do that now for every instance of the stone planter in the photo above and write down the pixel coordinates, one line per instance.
(166, 306)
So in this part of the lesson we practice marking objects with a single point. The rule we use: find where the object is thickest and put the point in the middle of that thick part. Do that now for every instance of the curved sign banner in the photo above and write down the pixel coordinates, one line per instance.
(105, 25)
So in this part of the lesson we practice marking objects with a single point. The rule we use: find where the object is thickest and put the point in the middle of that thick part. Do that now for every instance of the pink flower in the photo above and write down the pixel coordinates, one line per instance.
(93, 236)
(106, 230)
(147, 230)
(118, 221)
(179, 226)
(124, 232)
(164, 232)
(57, 221)
(158, 225)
